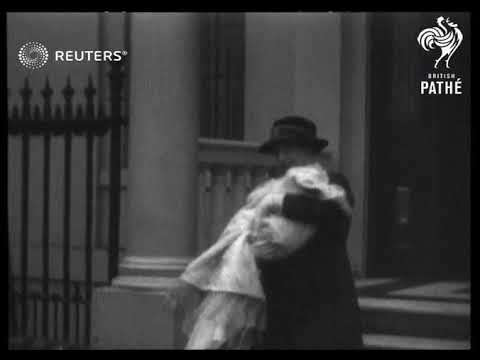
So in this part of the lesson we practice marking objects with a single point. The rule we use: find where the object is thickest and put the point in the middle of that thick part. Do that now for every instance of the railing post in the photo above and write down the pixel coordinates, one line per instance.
(116, 86)
(68, 94)
(11, 292)
(47, 113)
(90, 92)
(26, 94)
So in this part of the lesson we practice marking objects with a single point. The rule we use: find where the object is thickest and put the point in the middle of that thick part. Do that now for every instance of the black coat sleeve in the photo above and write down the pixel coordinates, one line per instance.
(325, 214)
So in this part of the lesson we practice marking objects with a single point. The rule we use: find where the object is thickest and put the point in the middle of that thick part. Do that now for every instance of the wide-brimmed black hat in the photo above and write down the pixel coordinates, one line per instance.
(293, 130)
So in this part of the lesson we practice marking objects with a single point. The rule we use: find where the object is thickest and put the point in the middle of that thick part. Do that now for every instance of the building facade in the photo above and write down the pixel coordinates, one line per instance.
(201, 92)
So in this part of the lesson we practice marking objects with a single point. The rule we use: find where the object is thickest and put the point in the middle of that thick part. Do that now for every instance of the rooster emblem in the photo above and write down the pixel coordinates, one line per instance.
(448, 38)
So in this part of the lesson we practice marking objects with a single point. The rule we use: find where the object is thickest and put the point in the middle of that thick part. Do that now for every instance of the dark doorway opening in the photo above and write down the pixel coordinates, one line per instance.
(419, 153)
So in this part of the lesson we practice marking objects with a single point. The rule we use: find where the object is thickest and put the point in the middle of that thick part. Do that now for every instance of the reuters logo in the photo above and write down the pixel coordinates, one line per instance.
(33, 55)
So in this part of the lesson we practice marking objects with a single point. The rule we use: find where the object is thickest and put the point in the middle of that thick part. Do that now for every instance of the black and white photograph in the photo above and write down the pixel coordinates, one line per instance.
(239, 180)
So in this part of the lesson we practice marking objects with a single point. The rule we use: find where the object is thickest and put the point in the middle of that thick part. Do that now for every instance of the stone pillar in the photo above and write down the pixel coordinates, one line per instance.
(269, 71)
(315, 65)
(353, 129)
(292, 66)
(162, 173)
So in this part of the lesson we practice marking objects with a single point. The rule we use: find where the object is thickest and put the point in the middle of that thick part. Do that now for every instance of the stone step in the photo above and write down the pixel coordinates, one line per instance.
(396, 342)
(417, 318)
(28, 343)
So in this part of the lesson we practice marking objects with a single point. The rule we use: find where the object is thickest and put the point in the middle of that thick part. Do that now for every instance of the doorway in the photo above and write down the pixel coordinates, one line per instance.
(419, 153)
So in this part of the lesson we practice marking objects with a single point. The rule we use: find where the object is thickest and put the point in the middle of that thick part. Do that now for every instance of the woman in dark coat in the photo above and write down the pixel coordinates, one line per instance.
(310, 296)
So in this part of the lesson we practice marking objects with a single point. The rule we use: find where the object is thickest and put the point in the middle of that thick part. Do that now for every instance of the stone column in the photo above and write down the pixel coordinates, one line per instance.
(161, 187)
(353, 130)
(292, 66)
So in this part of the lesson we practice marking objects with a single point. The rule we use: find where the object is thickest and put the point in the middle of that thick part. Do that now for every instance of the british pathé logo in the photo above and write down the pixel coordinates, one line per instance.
(446, 38)
(441, 84)
(34, 55)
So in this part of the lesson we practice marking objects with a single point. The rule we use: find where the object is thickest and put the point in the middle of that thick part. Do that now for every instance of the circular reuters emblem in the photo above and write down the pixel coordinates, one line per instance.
(33, 55)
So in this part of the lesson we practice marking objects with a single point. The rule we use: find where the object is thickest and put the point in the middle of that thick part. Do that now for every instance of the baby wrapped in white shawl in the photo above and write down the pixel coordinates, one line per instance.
(232, 313)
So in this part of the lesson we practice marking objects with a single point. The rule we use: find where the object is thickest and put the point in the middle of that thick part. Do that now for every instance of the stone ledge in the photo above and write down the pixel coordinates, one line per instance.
(383, 341)
(123, 318)
(415, 306)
